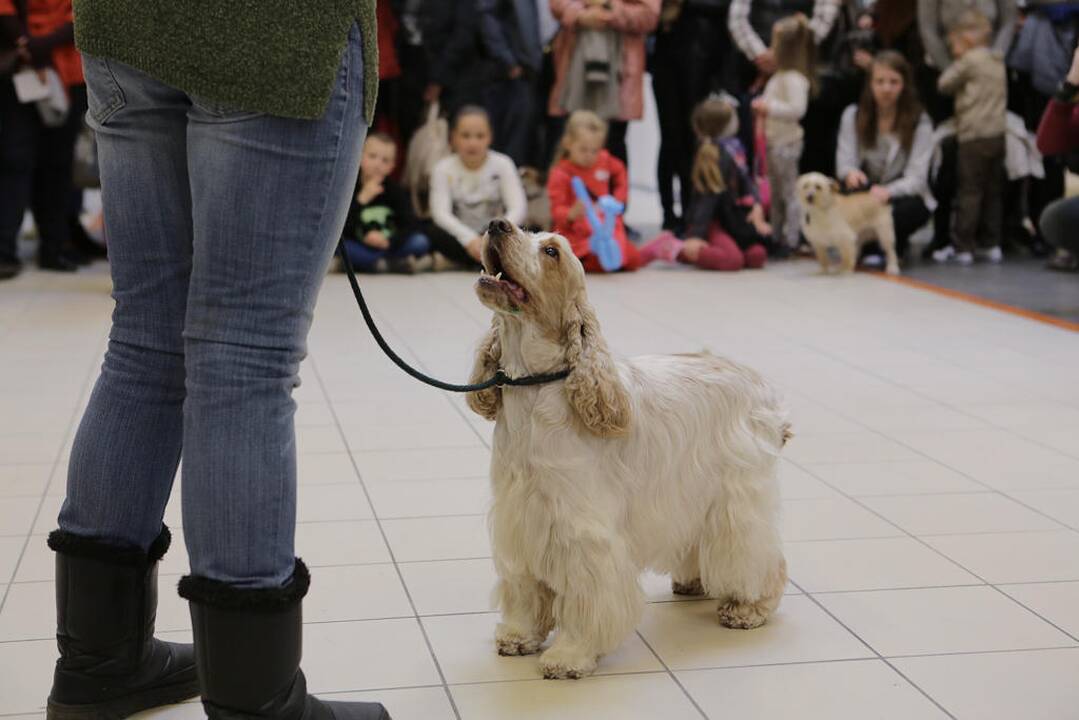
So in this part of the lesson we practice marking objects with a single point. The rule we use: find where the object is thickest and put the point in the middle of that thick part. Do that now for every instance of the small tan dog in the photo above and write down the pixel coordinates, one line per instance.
(844, 222)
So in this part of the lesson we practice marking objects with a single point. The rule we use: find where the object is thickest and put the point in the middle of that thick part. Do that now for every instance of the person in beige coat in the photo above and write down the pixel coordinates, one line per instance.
(978, 80)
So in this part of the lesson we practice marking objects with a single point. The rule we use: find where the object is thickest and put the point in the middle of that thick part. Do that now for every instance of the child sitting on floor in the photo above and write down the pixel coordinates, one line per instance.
(581, 155)
(725, 225)
(380, 230)
(471, 188)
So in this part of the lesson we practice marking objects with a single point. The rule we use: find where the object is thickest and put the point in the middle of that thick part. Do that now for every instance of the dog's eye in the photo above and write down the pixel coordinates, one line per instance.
(551, 250)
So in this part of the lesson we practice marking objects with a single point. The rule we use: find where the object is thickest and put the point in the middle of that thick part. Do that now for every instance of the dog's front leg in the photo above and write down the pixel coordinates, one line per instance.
(597, 604)
(848, 252)
(526, 615)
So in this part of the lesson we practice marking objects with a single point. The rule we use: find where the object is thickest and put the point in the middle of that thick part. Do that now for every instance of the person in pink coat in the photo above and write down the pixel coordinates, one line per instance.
(633, 20)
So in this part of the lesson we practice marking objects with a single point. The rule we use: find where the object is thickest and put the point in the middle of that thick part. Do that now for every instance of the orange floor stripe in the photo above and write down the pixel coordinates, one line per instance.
(974, 299)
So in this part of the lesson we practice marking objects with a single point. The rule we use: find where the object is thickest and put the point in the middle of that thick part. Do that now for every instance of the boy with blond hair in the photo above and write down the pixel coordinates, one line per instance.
(978, 80)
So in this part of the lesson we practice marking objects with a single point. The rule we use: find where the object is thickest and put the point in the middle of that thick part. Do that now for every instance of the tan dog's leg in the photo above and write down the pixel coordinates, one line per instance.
(886, 238)
(742, 562)
(526, 615)
(597, 604)
(822, 257)
(848, 251)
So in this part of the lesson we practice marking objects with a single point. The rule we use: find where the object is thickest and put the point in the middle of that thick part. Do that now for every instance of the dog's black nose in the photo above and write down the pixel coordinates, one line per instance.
(500, 226)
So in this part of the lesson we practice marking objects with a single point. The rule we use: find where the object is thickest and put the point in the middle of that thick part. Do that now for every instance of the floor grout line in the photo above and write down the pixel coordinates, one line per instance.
(75, 416)
(671, 674)
(390, 551)
(872, 649)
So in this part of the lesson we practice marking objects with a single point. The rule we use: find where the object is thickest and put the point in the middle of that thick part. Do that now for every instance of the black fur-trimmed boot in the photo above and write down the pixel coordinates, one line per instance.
(248, 643)
(110, 665)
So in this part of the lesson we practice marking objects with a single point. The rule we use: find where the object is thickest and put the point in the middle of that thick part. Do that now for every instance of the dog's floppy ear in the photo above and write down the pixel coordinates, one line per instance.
(488, 357)
(593, 388)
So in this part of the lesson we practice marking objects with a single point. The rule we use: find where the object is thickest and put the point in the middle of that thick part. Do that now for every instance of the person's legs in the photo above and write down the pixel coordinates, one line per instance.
(1058, 223)
(127, 447)
(671, 126)
(616, 140)
(363, 257)
(756, 256)
(268, 200)
(722, 253)
(944, 190)
(125, 453)
(449, 247)
(53, 185)
(970, 195)
(509, 103)
(909, 215)
(415, 245)
(18, 155)
(991, 222)
(783, 178)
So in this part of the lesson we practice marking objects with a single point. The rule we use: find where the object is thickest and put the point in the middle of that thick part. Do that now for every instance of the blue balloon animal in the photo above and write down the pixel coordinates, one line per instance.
(603, 242)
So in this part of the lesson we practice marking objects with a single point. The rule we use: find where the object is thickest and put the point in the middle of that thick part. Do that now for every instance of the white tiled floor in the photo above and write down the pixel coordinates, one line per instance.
(931, 505)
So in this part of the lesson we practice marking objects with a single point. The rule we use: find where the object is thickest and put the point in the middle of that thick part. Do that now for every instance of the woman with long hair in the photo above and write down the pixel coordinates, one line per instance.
(886, 144)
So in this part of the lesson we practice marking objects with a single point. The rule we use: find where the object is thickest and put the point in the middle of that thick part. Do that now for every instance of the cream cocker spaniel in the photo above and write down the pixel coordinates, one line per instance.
(660, 462)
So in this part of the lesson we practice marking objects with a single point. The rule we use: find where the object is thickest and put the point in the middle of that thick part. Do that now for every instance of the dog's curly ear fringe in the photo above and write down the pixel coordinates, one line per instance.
(486, 403)
(593, 388)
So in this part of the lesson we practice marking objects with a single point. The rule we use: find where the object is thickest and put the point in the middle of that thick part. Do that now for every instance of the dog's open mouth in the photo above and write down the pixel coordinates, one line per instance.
(494, 275)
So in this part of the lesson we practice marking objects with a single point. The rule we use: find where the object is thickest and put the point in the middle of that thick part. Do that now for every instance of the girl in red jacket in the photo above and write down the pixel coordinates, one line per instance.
(581, 154)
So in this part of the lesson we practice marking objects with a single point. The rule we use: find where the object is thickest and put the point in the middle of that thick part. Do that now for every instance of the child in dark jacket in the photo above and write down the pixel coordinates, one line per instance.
(380, 231)
(725, 225)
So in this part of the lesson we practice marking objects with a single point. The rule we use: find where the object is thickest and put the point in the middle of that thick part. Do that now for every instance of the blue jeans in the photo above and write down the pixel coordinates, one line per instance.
(365, 257)
(221, 227)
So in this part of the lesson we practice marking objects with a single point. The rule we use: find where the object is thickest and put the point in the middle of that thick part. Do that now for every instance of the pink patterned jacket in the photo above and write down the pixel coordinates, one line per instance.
(634, 19)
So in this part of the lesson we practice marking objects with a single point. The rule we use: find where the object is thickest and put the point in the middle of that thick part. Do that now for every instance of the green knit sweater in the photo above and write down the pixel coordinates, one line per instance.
(275, 56)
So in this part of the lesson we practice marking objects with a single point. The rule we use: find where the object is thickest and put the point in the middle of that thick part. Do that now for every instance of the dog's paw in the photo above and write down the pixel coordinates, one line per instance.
(693, 587)
(566, 664)
(743, 615)
(511, 643)
(892, 270)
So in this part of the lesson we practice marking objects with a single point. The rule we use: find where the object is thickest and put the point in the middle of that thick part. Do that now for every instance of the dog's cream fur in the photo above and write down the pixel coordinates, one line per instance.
(843, 222)
(660, 462)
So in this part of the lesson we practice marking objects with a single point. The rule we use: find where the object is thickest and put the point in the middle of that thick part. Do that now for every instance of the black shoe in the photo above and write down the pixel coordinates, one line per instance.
(84, 244)
(57, 263)
(1039, 248)
(9, 269)
(248, 643)
(110, 665)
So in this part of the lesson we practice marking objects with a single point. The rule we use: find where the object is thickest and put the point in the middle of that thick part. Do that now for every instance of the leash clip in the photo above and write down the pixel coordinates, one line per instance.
(501, 378)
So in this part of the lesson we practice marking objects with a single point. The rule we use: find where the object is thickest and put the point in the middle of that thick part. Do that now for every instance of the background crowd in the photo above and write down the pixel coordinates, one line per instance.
(521, 108)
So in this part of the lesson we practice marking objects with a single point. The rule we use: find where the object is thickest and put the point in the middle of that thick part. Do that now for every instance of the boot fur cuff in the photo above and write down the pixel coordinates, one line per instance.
(72, 545)
(223, 596)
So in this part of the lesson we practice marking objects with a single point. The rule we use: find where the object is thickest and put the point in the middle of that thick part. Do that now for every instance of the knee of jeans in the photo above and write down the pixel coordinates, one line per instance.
(142, 369)
(221, 368)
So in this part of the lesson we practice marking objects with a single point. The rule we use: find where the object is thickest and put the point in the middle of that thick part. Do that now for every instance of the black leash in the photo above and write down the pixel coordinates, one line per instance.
(500, 378)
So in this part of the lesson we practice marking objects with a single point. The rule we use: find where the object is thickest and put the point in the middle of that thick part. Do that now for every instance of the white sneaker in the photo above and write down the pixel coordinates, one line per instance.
(963, 258)
(943, 255)
(990, 255)
(873, 260)
(425, 263)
